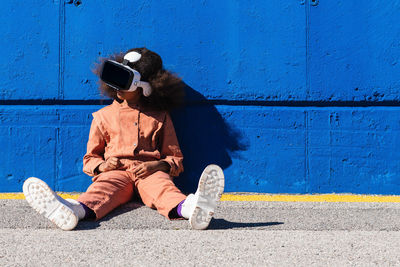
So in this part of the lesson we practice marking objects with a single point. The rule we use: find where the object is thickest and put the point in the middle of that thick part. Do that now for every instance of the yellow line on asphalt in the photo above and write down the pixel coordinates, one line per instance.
(311, 198)
(265, 197)
(21, 195)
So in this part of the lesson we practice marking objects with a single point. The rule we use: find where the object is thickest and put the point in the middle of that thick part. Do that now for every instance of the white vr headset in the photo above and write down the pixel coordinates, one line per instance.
(121, 77)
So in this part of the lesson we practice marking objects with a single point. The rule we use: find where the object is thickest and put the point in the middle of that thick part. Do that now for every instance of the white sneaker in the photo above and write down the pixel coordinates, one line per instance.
(199, 208)
(45, 201)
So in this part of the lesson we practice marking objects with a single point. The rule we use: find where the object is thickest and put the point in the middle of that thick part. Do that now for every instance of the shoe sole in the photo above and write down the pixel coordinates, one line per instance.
(44, 200)
(210, 189)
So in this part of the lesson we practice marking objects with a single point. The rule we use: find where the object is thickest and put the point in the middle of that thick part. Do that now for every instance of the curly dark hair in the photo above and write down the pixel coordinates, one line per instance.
(168, 89)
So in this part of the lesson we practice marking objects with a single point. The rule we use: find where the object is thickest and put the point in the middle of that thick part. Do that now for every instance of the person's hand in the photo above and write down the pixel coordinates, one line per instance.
(111, 164)
(147, 168)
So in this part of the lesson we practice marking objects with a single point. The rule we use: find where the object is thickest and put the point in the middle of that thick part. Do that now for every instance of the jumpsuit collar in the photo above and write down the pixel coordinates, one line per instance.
(125, 105)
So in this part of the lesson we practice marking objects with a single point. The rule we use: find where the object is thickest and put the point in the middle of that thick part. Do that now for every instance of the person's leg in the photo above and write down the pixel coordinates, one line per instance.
(108, 191)
(158, 191)
(84, 211)
(176, 213)
(45, 201)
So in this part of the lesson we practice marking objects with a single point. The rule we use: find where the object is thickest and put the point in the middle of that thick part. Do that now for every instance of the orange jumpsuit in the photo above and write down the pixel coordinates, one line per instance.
(134, 135)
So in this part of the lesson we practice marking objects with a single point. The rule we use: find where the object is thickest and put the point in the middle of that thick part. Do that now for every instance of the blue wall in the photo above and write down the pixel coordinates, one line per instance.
(287, 96)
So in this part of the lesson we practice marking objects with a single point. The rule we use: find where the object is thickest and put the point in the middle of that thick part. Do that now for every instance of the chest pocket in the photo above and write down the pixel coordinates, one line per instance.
(150, 126)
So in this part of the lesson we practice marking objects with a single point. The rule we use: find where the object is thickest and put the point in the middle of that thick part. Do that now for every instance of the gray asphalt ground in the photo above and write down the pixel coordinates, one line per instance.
(241, 234)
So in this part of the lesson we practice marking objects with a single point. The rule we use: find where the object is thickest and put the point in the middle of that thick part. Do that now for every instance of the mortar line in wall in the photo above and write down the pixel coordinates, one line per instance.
(307, 15)
(61, 39)
(215, 102)
(306, 155)
(56, 151)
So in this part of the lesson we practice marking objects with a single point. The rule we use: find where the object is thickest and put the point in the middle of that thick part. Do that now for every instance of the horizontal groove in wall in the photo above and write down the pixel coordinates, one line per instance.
(220, 102)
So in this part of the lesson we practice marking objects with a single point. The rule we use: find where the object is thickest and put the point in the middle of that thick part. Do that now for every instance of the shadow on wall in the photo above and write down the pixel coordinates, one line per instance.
(205, 138)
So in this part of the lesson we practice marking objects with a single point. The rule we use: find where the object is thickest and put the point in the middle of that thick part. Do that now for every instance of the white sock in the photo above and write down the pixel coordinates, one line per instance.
(77, 207)
(188, 206)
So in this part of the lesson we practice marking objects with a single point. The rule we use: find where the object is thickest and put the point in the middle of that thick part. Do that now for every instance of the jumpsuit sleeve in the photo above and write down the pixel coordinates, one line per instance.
(95, 150)
(170, 150)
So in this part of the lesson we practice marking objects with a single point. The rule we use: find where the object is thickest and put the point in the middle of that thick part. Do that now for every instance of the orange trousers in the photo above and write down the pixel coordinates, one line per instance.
(114, 188)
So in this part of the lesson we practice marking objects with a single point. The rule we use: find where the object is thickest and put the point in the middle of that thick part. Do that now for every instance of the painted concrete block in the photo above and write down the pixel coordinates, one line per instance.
(354, 51)
(261, 149)
(266, 50)
(28, 138)
(354, 150)
(32, 139)
(229, 50)
(224, 49)
(72, 149)
(28, 115)
(74, 131)
(29, 51)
